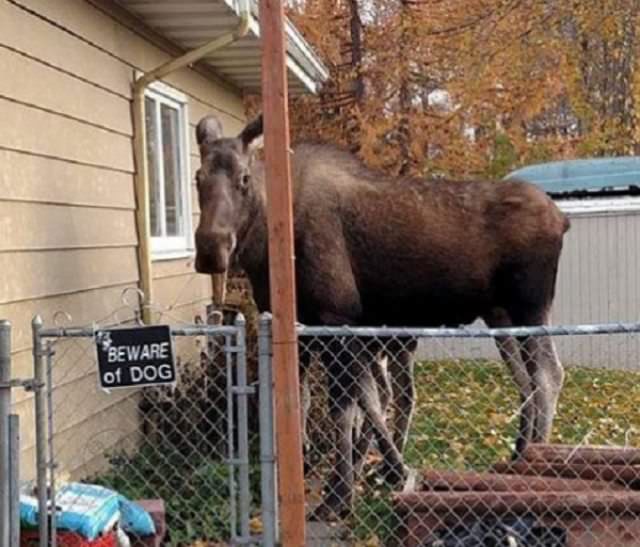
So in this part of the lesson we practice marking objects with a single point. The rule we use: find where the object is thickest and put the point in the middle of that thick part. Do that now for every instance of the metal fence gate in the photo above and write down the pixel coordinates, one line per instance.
(203, 445)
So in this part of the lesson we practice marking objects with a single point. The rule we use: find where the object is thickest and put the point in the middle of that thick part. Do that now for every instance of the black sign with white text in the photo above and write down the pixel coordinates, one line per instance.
(141, 356)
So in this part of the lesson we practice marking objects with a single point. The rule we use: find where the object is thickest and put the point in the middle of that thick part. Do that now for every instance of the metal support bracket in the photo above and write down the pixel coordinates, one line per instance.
(243, 390)
(28, 384)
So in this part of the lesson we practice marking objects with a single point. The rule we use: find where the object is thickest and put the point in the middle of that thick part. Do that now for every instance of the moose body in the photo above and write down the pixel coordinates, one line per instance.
(374, 250)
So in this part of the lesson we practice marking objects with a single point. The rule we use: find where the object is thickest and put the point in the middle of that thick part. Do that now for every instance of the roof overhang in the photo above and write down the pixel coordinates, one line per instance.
(191, 23)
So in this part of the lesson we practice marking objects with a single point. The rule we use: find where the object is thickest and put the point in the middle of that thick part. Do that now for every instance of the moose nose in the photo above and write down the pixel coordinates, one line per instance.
(213, 251)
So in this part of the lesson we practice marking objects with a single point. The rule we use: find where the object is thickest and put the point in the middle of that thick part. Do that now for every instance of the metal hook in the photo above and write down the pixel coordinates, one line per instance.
(66, 317)
(216, 317)
(136, 309)
(125, 302)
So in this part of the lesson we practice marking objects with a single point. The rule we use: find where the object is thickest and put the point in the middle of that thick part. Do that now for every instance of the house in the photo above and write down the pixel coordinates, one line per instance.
(69, 238)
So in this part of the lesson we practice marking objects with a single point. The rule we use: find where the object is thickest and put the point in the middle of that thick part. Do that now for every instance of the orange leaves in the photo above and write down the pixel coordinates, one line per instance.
(550, 79)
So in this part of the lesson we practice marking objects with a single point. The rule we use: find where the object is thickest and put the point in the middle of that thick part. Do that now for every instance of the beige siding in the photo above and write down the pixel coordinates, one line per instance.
(36, 274)
(31, 178)
(68, 96)
(30, 129)
(67, 200)
(102, 304)
(72, 227)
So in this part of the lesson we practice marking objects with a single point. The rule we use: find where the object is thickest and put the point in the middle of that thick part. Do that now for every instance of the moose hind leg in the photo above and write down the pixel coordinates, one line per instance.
(392, 469)
(401, 354)
(510, 352)
(305, 400)
(548, 377)
(380, 393)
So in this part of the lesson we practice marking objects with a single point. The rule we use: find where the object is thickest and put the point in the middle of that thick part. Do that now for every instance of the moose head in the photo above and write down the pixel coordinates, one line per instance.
(226, 192)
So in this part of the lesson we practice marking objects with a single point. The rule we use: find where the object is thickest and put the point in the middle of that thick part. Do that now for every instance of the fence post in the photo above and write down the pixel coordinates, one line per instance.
(267, 456)
(14, 479)
(243, 428)
(53, 524)
(5, 409)
(41, 428)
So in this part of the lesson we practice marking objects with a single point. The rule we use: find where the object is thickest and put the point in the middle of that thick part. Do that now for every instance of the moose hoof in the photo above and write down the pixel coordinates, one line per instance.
(395, 476)
(518, 451)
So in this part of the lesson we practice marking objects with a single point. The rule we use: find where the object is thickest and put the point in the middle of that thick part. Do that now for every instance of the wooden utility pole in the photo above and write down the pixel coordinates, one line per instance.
(282, 274)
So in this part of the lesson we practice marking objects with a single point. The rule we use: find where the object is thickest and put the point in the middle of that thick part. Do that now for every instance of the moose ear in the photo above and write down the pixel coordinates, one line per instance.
(209, 129)
(250, 133)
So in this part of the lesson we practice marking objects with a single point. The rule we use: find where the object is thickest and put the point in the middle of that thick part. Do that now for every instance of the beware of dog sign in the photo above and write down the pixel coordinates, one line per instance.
(141, 356)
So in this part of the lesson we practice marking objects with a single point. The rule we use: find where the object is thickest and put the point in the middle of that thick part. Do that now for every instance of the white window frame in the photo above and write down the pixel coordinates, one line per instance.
(173, 247)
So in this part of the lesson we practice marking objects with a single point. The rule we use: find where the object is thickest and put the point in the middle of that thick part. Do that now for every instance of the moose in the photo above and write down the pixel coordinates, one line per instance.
(372, 249)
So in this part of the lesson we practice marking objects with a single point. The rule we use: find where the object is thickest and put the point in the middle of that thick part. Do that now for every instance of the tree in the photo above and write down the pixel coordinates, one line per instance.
(473, 87)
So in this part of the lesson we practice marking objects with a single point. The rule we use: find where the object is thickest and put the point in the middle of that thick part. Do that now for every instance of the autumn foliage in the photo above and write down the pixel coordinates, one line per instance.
(472, 87)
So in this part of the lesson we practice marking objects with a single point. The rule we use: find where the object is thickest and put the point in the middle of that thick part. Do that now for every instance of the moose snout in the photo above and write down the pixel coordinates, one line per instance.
(213, 251)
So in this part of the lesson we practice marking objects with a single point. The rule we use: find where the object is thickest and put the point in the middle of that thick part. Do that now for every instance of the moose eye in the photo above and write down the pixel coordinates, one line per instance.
(246, 179)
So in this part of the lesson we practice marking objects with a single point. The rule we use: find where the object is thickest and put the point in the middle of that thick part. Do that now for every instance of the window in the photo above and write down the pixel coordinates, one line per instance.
(167, 155)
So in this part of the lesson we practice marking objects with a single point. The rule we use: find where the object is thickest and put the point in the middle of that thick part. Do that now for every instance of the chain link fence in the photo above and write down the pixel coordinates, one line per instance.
(194, 444)
(416, 437)
(441, 464)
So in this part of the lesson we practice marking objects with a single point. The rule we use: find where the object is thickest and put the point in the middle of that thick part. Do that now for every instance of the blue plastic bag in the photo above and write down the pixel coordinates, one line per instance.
(134, 519)
(86, 509)
(90, 510)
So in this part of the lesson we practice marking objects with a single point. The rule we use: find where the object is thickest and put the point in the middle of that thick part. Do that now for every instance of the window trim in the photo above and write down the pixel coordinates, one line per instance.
(174, 247)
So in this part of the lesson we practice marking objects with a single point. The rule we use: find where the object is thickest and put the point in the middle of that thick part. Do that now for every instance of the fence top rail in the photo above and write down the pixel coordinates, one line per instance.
(470, 332)
(186, 330)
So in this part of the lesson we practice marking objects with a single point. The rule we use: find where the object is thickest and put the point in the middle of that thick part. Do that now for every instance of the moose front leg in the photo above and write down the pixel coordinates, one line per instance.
(343, 392)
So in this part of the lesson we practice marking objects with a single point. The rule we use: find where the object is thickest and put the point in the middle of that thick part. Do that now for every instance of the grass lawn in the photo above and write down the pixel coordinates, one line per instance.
(466, 412)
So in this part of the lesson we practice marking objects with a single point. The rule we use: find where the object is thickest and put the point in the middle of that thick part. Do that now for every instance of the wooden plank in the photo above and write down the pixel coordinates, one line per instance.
(24, 79)
(25, 32)
(32, 130)
(32, 275)
(585, 454)
(21, 225)
(282, 274)
(26, 177)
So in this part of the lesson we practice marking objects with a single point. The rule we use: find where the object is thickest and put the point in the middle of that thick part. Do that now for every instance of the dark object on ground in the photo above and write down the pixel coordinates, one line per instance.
(512, 531)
